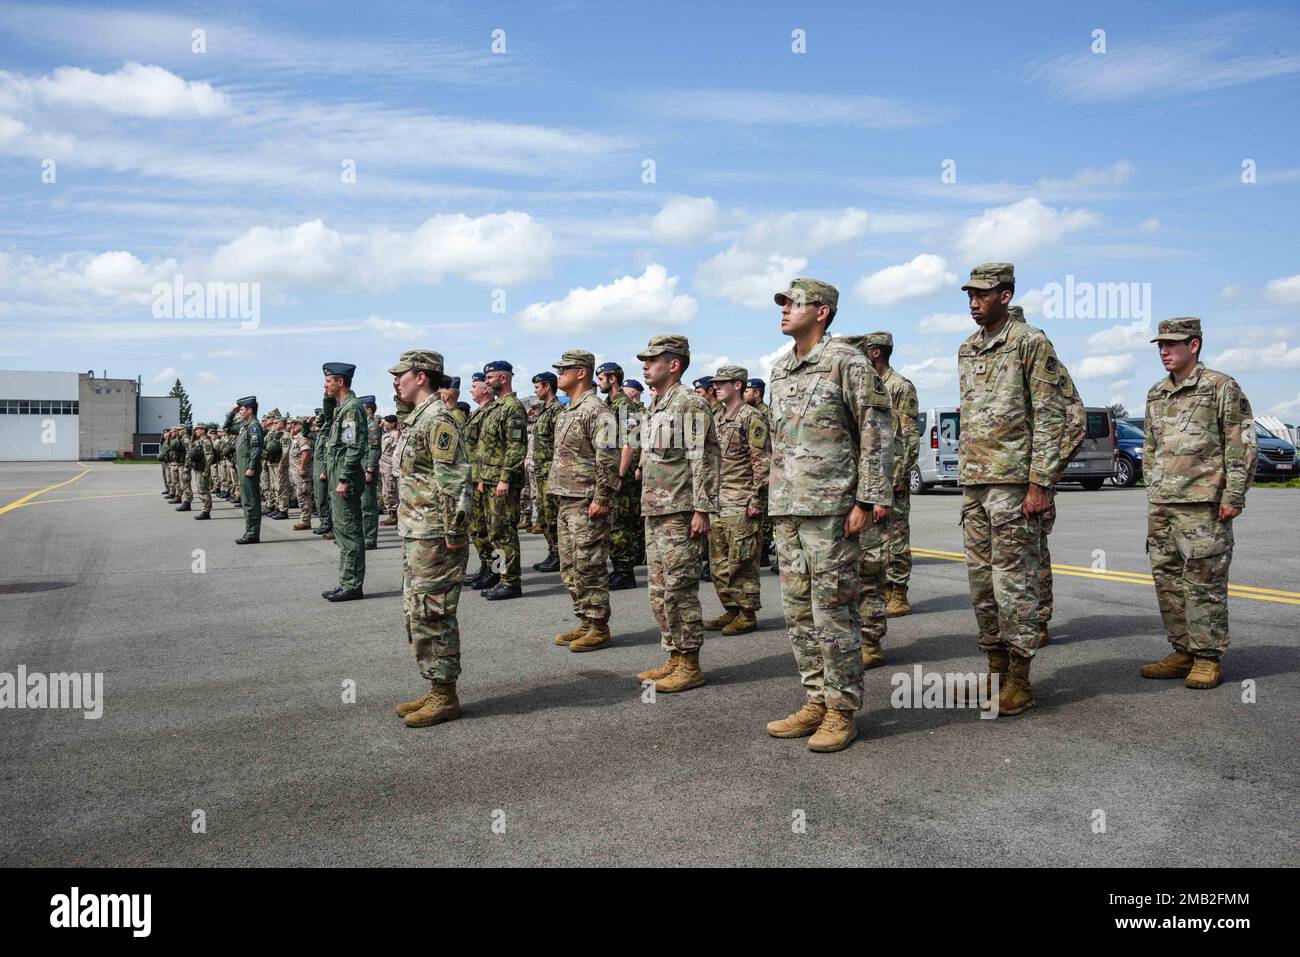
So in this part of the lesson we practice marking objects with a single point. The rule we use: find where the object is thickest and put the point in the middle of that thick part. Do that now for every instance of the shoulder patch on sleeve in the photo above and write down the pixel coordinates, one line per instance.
(444, 443)
(757, 432)
(1051, 364)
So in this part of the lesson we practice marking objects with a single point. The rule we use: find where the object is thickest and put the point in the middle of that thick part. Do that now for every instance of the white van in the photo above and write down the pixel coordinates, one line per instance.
(936, 459)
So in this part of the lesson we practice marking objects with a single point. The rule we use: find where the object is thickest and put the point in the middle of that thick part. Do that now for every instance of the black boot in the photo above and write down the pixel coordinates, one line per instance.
(502, 591)
(473, 580)
(551, 563)
(247, 540)
(184, 507)
(340, 594)
(704, 573)
(490, 580)
(621, 579)
(202, 516)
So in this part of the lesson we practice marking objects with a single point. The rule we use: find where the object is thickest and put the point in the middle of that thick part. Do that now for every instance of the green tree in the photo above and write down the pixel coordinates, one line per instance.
(187, 413)
(1117, 409)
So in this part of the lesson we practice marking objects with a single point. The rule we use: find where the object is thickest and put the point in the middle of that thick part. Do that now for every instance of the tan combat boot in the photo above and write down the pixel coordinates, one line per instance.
(663, 671)
(407, 707)
(573, 634)
(597, 637)
(1016, 694)
(301, 526)
(896, 604)
(389, 519)
(742, 624)
(685, 676)
(722, 621)
(836, 733)
(442, 705)
(800, 724)
(1206, 673)
(873, 656)
(1176, 664)
(1042, 634)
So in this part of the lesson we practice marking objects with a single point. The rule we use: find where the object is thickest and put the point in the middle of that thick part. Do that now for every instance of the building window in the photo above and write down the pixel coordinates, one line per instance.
(39, 407)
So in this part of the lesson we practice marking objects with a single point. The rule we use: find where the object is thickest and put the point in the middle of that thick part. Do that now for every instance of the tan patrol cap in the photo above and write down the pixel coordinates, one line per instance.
(809, 290)
(421, 360)
(575, 359)
(1178, 330)
(990, 275)
(678, 345)
(730, 374)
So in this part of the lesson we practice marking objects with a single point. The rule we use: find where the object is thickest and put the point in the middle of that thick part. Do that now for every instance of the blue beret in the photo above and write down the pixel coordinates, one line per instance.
(546, 377)
(498, 365)
(320, 412)
(367, 400)
(609, 367)
(757, 383)
(340, 368)
(248, 401)
(703, 382)
(478, 377)
(633, 384)
(391, 418)
(453, 383)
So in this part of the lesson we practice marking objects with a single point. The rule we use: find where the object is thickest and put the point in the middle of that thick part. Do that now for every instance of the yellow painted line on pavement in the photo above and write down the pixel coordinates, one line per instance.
(88, 498)
(1132, 578)
(19, 503)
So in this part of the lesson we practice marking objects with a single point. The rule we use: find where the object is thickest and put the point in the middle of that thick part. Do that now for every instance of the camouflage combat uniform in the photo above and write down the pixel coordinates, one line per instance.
(1076, 429)
(832, 447)
(502, 445)
(584, 471)
(1199, 454)
(370, 489)
(201, 459)
(680, 462)
(735, 539)
(318, 468)
(304, 480)
(543, 454)
(907, 440)
(1012, 423)
(478, 528)
(387, 479)
(433, 513)
(624, 537)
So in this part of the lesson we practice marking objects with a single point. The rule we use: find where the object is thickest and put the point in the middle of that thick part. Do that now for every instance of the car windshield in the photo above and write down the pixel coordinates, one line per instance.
(1263, 433)
(1128, 431)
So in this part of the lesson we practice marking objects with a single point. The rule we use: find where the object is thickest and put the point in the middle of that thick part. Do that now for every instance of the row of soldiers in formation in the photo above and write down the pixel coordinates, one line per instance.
(826, 464)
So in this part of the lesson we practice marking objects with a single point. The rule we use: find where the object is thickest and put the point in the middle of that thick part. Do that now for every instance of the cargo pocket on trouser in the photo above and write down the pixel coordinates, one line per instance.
(681, 591)
(1014, 554)
(835, 587)
(1207, 547)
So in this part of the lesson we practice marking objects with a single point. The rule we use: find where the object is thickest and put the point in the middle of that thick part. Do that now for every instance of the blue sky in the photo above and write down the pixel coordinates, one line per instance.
(500, 208)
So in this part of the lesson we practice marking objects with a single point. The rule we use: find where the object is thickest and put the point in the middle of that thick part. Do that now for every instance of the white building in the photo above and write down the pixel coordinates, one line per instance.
(39, 416)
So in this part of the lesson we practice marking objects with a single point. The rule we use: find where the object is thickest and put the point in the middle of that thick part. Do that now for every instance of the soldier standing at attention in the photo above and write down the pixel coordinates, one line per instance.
(544, 385)
(502, 445)
(754, 390)
(183, 470)
(735, 536)
(832, 457)
(486, 576)
(680, 464)
(370, 490)
(162, 447)
(283, 474)
(433, 520)
(202, 456)
(300, 470)
(248, 463)
(324, 421)
(898, 536)
(1012, 429)
(344, 456)
(634, 390)
(623, 526)
(270, 458)
(1199, 459)
(388, 480)
(450, 396)
(582, 479)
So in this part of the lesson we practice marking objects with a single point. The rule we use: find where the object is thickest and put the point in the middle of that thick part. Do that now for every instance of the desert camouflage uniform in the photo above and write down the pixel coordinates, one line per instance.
(625, 518)
(201, 467)
(1199, 454)
(478, 526)
(584, 470)
(680, 462)
(184, 475)
(735, 539)
(543, 455)
(1012, 423)
(370, 490)
(304, 479)
(502, 445)
(832, 447)
(433, 513)
(388, 480)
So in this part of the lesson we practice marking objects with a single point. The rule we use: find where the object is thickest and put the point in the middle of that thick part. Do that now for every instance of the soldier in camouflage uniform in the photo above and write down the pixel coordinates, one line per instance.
(201, 459)
(184, 475)
(832, 456)
(623, 527)
(487, 576)
(248, 463)
(163, 439)
(1012, 431)
(1199, 459)
(283, 475)
(703, 387)
(680, 464)
(370, 490)
(735, 536)
(634, 390)
(450, 396)
(502, 446)
(275, 453)
(544, 385)
(165, 456)
(898, 536)
(300, 470)
(433, 520)
(754, 391)
(581, 481)
(345, 454)
(387, 477)
(324, 421)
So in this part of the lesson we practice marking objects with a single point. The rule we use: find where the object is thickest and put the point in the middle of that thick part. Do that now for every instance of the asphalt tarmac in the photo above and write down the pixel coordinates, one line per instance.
(225, 677)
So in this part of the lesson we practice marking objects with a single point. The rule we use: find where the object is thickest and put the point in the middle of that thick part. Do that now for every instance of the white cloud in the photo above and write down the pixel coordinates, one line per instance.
(685, 220)
(1117, 174)
(1102, 367)
(206, 376)
(1031, 300)
(933, 373)
(921, 278)
(1149, 226)
(116, 275)
(393, 329)
(185, 356)
(806, 230)
(134, 90)
(1285, 291)
(632, 300)
(308, 253)
(1228, 293)
(1011, 232)
(746, 277)
(786, 110)
(1275, 355)
(166, 375)
(1286, 408)
(1133, 337)
(947, 322)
